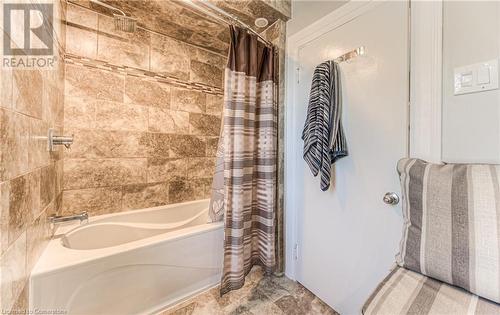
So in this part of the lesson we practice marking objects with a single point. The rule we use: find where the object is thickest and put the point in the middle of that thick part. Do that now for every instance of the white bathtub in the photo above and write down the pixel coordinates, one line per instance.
(135, 262)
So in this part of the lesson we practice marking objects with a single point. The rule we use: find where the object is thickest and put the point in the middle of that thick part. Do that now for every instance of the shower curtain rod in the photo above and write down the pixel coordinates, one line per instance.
(207, 8)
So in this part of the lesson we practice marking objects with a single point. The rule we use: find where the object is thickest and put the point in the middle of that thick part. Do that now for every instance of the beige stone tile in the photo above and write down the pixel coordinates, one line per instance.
(184, 310)
(144, 195)
(188, 100)
(6, 87)
(242, 300)
(86, 173)
(169, 57)
(79, 112)
(19, 203)
(34, 178)
(319, 307)
(201, 124)
(207, 56)
(81, 16)
(57, 210)
(53, 101)
(206, 74)
(81, 42)
(107, 26)
(184, 190)
(215, 104)
(94, 83)
(158, 144)
(272, 289)
(172, 19)
(200, 167)
(147, 92)
(168, 121)
(131, 50)
(59, 176)
(299, 302)
(187, 146)
(119, 116)
(283, 6)
(265, 8)
(210, 42)
(13, 272)
(61, 74)
(18, 199)
(57, 109)
(4, 217)
(38, 155)
(225, 36)
(92, 144)
(60, 8)
(198, 22)
(174, 30)
(14, 141)
(164, 169)
(27, 92)
(212, 143)
(205, 184)
(47, 185)
(255, 275)
(268, 308)
(38, 235)
(255, 297)
(21, 304)
(95, 201)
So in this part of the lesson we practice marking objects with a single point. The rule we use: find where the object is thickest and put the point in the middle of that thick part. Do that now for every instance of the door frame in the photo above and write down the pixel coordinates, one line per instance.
(424, 99)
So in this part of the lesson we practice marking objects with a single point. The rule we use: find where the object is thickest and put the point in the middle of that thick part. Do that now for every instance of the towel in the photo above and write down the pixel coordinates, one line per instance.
(323, 135)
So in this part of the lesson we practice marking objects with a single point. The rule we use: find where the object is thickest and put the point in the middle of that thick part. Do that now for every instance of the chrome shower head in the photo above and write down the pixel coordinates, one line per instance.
(124, 23)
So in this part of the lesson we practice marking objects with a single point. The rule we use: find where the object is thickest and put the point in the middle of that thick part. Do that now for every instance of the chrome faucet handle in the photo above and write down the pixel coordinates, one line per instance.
(54, 140)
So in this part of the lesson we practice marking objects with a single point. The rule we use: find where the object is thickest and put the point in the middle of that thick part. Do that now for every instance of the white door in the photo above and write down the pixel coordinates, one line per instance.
(347, 237)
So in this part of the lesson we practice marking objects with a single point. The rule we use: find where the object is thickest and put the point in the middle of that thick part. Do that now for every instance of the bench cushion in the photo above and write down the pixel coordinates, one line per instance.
(407, 292)
(452, 224)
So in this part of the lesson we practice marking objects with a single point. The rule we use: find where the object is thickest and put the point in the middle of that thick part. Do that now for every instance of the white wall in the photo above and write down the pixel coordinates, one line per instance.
(347, 237)
(306, 12)
(471, 122)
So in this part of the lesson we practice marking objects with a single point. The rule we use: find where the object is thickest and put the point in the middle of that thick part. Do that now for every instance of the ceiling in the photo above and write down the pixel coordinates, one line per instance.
(305, 12)
(176, 19)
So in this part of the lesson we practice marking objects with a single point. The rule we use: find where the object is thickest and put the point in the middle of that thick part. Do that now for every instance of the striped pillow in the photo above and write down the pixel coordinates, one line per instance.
(452, 224)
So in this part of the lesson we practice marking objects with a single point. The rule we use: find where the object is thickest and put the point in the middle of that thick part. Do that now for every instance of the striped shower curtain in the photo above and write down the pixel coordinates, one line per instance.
(244, 186)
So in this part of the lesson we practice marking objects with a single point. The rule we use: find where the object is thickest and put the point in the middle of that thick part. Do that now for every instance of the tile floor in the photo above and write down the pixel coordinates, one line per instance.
(261, 294)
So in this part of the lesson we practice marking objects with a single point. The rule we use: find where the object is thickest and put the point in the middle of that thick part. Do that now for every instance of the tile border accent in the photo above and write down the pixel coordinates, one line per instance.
(103, 65)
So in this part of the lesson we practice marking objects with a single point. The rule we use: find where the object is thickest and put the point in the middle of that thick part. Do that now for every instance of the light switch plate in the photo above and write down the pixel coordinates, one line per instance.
(477, 77)
(466, 79)
(483, 74)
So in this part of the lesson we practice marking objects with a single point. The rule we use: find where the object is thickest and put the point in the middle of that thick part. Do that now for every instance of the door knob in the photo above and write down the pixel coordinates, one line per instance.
(391, 198)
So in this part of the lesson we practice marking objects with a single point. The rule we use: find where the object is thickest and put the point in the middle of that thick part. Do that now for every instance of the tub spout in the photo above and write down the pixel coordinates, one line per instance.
(82, 217)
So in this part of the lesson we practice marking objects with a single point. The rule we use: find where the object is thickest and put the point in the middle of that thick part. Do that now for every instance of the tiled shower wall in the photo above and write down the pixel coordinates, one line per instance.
(31, 102)
(145, 112)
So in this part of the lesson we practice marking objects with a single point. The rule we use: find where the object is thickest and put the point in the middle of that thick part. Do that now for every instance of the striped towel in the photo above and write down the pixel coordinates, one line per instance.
(323, 135)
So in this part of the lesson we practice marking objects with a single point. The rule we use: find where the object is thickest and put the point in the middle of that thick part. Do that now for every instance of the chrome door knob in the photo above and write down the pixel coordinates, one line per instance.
(391, 198)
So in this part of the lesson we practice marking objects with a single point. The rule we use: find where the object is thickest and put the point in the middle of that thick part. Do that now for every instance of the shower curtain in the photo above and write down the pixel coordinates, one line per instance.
(244, 185)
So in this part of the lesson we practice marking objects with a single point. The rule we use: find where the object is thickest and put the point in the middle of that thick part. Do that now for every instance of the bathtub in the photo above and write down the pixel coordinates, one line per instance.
(135, 262)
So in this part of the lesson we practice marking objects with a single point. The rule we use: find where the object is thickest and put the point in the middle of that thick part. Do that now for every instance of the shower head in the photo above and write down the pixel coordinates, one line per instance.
(123, 22)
